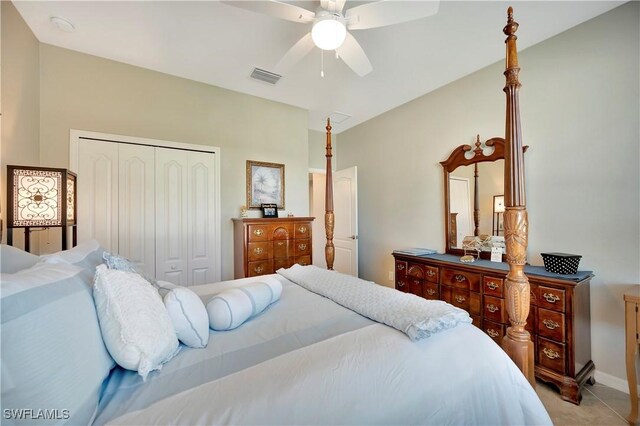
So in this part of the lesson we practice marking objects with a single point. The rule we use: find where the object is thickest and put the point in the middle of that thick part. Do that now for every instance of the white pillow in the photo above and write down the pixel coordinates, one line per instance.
(188, 314)
(230, 308)
(135, 325)
(13, 259)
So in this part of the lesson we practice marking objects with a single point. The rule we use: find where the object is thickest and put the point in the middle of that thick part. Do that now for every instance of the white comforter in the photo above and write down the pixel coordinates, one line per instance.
(372, 374)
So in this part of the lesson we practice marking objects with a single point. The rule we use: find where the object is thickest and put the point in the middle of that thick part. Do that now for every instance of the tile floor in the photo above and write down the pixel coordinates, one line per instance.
(601, 405)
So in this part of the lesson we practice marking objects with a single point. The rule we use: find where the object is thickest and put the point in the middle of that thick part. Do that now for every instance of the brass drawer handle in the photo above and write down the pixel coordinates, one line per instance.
(459, 277)
(492, 285)
(551, 354)
(431, 291)
(492, 308)
(430, 273)
(280, 243)
(258, 232)
(550, 297)
(400, 284)
(302, 246)
(416, 282)
(400, 267)
(258, 250)
(491, 332)
(460, 299)
(302, 229)
(258, 269)
(550, 324)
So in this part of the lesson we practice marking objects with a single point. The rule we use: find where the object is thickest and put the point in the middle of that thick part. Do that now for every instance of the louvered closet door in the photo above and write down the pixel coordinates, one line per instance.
(136, 213)
(98, 193)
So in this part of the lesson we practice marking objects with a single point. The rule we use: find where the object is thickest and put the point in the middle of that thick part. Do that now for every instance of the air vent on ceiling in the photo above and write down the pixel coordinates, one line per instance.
(338, 117)
(266, 76)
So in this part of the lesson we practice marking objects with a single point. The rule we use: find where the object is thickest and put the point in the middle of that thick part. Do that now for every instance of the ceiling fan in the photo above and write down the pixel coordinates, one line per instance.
(330, 28)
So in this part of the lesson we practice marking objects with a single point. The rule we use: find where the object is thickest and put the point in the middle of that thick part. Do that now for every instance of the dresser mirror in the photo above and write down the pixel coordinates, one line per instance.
(473, 191)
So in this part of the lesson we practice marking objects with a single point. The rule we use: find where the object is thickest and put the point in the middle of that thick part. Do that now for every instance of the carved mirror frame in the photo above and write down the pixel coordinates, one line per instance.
(458, 158)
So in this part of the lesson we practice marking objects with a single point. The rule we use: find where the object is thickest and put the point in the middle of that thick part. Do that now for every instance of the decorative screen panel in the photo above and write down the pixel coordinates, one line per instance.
(71, 199)
(37, 198)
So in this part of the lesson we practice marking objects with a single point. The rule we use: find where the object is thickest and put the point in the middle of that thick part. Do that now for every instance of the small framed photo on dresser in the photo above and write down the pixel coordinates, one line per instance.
(269, 210)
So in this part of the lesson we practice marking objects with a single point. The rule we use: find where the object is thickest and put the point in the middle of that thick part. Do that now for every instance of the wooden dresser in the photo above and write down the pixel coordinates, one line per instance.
(262, 246)
(559, 318)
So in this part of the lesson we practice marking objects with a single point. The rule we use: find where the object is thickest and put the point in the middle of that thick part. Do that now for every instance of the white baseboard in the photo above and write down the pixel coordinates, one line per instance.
(613, 382)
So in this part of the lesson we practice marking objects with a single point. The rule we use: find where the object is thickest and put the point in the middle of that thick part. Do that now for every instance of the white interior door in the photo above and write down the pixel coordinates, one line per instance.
(345, 235)
(171, 215)
(460, 202)
(136, 213)
(201, 191)
(98, 193)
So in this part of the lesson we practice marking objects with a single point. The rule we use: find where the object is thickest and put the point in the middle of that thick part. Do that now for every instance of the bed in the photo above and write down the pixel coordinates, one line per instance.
(306, 359)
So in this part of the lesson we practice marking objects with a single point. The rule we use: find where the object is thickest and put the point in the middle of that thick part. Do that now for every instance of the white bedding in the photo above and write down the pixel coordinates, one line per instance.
(306, 360)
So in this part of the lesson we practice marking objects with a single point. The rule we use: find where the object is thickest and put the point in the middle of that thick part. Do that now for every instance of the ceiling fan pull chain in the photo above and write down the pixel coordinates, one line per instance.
(322, 63)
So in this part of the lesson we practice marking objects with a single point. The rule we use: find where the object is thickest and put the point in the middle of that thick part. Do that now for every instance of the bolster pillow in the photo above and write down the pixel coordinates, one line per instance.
(230, 308)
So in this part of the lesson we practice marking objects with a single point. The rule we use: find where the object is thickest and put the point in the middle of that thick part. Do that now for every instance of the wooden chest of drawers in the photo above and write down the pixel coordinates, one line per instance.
(262, 246)
(559, 315)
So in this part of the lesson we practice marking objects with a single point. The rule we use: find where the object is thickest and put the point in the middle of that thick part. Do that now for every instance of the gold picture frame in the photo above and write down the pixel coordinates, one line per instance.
(265, 184)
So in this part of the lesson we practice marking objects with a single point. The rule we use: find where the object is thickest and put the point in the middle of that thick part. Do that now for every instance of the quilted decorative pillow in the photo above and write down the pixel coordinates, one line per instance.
(135, 325)
(188, 314)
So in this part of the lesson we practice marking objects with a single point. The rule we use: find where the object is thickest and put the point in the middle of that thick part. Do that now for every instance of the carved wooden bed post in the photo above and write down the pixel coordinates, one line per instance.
(517, 342)
(328, 204)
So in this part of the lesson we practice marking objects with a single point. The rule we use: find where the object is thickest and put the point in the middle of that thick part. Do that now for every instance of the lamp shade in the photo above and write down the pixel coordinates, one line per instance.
(40, 197)
(328, 31)
(498, 203)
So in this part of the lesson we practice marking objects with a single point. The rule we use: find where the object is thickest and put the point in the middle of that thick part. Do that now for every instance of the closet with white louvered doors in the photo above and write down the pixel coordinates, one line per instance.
(154, 202)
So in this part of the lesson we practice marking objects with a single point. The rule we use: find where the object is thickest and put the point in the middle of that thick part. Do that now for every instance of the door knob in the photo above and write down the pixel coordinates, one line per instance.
(353, 237)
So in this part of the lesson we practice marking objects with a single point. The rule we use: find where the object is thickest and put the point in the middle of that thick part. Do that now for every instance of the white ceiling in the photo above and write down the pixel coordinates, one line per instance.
(219, 44)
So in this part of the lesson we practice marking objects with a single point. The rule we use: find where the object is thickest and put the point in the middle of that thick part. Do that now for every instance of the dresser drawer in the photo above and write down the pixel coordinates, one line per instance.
(551, 298)
(401, 267)
(259, 232)
(415, 270)
(493, 286)
(302, 230)
(430, 290)
(401, 283)
(302, 247)
(551, 355)
(283, 263)
(415, 285)
(282, 249)
(551, 325)
(460, 279)
(494, 330)
(467, 300)
(283, 231)
(303, 260)
(259, 251)
(261, 267)
(431, 273)
(494, 309)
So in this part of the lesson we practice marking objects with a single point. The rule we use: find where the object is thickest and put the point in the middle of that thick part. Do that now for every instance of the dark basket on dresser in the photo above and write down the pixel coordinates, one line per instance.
(561, 263)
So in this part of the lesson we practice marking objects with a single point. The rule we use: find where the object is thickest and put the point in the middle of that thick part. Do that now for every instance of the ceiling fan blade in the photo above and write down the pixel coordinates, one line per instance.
(340, 5)
(389, 12)
(352, 54)
(276, 9)
(325, 4)
(295, 54)
(332, 5)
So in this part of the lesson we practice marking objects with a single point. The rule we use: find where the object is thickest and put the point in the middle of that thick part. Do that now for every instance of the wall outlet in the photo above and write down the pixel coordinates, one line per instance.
(390, 275)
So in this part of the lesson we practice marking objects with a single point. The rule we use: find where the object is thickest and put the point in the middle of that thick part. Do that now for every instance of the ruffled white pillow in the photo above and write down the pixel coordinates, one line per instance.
(188, 314)
(230, 308)
(135, 325)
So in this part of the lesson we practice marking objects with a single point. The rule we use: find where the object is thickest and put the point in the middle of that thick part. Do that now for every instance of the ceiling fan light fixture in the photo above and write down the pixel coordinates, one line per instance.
(329, 30)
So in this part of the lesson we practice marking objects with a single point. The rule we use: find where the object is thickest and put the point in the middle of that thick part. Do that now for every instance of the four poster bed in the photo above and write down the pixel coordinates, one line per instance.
(315, 357)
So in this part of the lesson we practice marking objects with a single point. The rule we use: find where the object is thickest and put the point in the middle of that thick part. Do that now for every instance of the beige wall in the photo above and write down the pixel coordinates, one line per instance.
(317, 150)
(580, 116)
(20, 100)
(84, 92)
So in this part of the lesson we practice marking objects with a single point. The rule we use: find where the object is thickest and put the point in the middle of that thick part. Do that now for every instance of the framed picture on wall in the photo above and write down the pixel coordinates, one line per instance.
(269, 210)
(265, 184)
